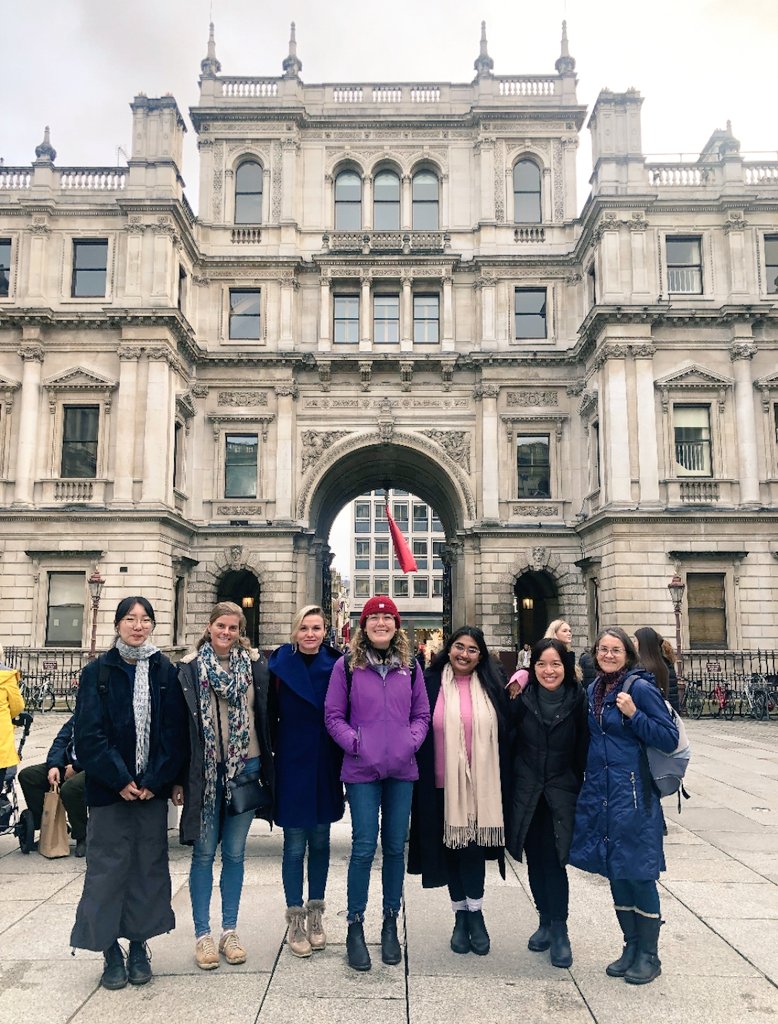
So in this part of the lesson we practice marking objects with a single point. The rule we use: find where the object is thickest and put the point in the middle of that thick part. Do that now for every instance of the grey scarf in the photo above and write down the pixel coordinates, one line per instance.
(141, 697)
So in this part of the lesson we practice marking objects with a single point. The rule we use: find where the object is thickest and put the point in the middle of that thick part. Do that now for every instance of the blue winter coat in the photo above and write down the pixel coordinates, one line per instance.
(618, 819)
(307, 761)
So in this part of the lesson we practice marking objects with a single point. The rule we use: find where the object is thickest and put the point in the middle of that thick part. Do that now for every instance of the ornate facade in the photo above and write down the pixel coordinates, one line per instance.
(391, 282)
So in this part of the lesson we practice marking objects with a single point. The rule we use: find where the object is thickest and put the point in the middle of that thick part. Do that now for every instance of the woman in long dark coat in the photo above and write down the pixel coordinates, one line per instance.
(309, 793)
(549, 756)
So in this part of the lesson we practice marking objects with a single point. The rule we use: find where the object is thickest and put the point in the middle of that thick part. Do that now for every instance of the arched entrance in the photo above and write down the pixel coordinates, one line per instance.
(411, 463)
(242, 588)
(536, 603)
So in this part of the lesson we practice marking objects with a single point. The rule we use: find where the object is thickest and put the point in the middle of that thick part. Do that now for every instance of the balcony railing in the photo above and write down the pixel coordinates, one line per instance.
(246, 236)
(15, 178)
(684, 175)
(386, 241)
(92, 179)
(699, 492)
(761, 173)
(684, 280)
(694, 456)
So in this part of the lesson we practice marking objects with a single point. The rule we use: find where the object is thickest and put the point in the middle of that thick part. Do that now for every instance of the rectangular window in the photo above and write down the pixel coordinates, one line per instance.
(420, 553)
(245, 314)
(437, 549)
(706, 603)
(426, 319)
(400, 586)
(386, 319)
(362, 517)
(240, 466)
(530, 313)
(437, 526)
(65, 611)
(381, 554)
(437, 586)
(770, 263)
(362, 554)
(79, 442)
(421, 586)
(90, 266)
(361, 586)
(691, 425)
(5, 266)
(684, 265)
(178, 456)
(420, 517)
(532, 457)
(346, 319)
(381, 585)
(381, 522)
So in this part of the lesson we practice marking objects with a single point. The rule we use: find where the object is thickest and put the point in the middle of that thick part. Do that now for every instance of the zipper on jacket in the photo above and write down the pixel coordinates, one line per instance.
(634, 791)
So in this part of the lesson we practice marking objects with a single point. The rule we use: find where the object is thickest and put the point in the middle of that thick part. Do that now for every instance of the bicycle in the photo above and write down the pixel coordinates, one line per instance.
(723, 702)
(38, 695)
(694, 701)
(760, 697)
(71, 694)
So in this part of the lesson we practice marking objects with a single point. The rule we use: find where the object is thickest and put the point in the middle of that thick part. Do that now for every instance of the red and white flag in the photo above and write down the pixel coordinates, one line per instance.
(401, 549)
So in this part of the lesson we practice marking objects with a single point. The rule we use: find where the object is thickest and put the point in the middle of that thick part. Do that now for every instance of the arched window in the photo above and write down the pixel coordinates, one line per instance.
(425, 201)
(386, 201)
(526, 193)
(248, 193)
(348, 201)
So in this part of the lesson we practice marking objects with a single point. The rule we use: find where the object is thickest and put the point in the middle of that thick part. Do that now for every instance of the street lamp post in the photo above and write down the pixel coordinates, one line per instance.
(95, 582)
(676, 586)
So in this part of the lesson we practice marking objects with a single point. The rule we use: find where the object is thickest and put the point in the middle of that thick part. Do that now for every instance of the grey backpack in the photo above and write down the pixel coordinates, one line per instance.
(667, 770)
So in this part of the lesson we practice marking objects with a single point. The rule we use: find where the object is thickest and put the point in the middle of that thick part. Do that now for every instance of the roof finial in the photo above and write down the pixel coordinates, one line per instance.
(46, 151)
(565, 64)
(484, 63)
(211, 66)
(292, 65)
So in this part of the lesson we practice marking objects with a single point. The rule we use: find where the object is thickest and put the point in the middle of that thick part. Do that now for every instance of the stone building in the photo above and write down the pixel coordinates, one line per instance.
(391, 281)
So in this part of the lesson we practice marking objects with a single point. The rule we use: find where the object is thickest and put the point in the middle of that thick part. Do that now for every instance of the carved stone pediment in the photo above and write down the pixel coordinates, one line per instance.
(8, 384)
(79, 379)
(694, 376)
(768, 383)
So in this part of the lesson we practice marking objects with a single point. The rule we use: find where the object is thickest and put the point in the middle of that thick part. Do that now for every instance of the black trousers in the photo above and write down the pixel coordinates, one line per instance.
(547, 877)
(466, 872)
(34, 781)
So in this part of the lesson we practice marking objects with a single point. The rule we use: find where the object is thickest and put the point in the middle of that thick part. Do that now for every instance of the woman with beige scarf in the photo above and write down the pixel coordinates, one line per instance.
(457, 814)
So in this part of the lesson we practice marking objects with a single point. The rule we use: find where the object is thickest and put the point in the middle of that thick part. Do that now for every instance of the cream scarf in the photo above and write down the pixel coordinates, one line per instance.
(472, 796)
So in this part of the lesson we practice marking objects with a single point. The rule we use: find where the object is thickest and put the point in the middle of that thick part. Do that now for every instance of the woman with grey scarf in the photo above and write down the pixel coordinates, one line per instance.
(130, 734)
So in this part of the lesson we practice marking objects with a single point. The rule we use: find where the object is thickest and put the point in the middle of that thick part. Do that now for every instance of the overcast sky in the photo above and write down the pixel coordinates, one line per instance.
(76, 64)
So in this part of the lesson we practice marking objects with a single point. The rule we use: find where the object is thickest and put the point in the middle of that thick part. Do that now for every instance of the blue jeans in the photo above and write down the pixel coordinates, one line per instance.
(640, 896)
(231, 831)
(392, 798)
(317, 839)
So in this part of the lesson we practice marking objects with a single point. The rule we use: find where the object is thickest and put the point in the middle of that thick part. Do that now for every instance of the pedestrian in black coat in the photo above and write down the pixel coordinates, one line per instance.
(549, 756)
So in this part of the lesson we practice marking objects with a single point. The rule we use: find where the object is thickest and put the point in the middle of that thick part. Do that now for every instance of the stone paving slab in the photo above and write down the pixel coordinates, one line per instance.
(496, 1000)
(32, 995)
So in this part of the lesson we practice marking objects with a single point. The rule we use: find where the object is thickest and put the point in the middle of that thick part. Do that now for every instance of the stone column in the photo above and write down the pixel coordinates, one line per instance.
(158, 430)
(265, 195)
(406, 207)
(406, 316)
(367, 203)
(447, 340)
(615, 428)
(32, 367)
(329, 203)
(285, 398)
(741, 352)
(486, 177)
(289, 165)
(197, 447)
(490, 447)
(648, 444)
(546, 198)
(288, 285)
(126, 427)
(325, 315)
(488, 309)
(365, 325)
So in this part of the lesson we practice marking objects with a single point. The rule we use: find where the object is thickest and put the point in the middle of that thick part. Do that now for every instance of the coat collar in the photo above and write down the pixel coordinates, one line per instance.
(286, 664)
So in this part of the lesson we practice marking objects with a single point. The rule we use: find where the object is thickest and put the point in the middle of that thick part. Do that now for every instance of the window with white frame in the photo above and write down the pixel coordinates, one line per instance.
(526, 193)
(400, 586)
(386, 201)
(424, 193)
(348, 201)
(90, 268)
(684, 264)
(245, 314)
(248, 193)
(381, 585)
(426, 319)
(361, 554)
(534, 465)
(241, 465)
(381, 554)
(421, 586)
(361, 587)
(437, 586)
(691, 429)
(345, 319)
(420, 549)
(386, 318)
(420, 517)
(400, 514)
(530, 313)
(362, 517)
(80, 433)
(65, 609)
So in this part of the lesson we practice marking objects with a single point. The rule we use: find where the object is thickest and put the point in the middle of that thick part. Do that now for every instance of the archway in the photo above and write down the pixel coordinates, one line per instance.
(536, 603)
(242, 588)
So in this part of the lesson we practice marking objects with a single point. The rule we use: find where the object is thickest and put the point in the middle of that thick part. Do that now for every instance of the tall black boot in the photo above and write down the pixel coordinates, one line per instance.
(479, 936)
(629, 929)
(540, 940)
(646, 966)
(115, 972)
(390, 944)
(356, 949)
(561, 954)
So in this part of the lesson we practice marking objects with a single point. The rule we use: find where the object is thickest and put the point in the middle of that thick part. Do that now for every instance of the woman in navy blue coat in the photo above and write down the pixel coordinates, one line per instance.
(618, 821)
(309, 793)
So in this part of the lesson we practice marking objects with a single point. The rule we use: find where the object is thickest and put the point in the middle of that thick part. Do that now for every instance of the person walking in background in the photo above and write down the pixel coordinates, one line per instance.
(549, 757)
(457, 817)
(130, 734)
(225, 683)
(618, 819)
(525, 655)
(61, 769)
(377, 711)
(11, 705)
(309, 793)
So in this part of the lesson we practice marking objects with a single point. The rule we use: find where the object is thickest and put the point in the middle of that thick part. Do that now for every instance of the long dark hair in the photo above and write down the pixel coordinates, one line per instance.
(650, 656)
(561, 648)
(489, 675)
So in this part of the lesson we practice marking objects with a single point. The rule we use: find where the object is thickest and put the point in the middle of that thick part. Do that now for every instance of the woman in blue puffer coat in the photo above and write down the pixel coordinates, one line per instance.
(618, 821)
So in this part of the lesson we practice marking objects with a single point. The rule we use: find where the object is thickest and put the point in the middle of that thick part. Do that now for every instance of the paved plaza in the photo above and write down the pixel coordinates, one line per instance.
(719, 947)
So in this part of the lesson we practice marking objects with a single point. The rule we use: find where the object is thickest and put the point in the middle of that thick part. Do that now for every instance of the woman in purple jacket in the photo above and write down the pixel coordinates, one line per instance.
(377, 710)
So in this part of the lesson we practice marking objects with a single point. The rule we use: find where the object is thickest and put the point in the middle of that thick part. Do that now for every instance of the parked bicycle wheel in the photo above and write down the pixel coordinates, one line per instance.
(728, 708)
(694, 704)
(46, 699)
(71, 695)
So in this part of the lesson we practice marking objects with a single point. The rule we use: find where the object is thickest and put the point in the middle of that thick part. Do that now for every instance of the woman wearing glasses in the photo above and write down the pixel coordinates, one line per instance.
(376, 709)
(464, 768)
(618, 821)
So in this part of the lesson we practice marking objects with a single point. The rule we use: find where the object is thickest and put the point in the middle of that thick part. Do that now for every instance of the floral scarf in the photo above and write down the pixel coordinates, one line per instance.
(141, 697)
(233, 686)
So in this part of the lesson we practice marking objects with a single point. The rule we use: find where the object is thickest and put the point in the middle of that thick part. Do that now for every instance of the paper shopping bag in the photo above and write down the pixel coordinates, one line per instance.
(54, 840)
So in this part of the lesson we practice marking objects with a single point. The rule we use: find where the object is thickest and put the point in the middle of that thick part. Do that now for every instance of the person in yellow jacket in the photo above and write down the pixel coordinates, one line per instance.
(11, 704)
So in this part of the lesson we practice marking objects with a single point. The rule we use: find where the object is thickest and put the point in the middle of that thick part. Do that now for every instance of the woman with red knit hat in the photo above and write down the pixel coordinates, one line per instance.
(377, 710)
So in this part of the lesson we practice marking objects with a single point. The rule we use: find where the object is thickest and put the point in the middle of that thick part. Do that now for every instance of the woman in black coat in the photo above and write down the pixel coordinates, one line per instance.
(550, 746)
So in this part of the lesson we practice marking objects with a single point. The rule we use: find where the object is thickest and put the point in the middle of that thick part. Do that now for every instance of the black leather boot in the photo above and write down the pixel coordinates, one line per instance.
(138, 964)
(619, 967)
(460, 937)
(540, 940)
(115, 972)
(479, 936)
(356, 949)
(560, 952)
(390, 945)
(646, 966)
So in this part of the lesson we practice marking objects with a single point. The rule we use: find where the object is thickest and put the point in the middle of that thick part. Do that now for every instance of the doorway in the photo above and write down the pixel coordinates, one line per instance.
(242, 588)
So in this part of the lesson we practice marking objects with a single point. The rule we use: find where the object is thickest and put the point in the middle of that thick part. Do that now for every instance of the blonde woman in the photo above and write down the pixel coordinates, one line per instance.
(225, 684)
(560, 630)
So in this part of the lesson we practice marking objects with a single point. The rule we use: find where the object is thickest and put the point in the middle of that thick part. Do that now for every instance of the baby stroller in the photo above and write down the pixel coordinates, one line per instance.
(11, 820)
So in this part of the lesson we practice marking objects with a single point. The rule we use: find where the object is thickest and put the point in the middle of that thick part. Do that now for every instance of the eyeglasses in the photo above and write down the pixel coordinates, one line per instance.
(145, 621)
(461, 649)
(380, 618)
(611, 652)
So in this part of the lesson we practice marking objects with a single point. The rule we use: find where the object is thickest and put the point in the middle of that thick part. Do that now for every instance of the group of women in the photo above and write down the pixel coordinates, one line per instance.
(546, 770)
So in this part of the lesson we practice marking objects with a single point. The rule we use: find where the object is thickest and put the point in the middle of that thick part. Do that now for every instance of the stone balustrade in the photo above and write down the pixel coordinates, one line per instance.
(687, 175)
(761, 173)
(699, 492)
(528, 85)
(246, 236)
(92, 179)
(239, 88)
(386, 241)
(15, 178)
(529, 233)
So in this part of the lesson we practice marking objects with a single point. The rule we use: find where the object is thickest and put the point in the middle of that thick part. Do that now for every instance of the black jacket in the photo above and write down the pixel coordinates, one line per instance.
(193, 779)
(105, 729)
(60, 753)
(426, 852)
(547, 761)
